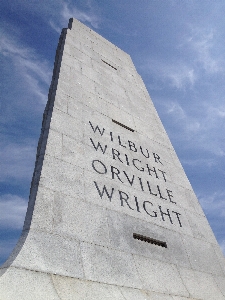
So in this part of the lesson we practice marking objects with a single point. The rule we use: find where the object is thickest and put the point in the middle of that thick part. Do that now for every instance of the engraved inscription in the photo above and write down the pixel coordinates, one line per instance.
(129, 159)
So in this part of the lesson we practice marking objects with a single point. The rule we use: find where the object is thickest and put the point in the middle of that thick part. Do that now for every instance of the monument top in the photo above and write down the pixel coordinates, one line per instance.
(111, 213)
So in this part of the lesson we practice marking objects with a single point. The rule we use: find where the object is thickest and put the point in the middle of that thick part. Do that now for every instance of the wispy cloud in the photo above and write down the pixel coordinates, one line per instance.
(71, 11)
(175, 109)
(222, 246)
(215, 112)
(14, 208)
(203, 44)
(55, 27)
(17, 161)
(196, 122)
(214, 202)
(196, 162)
(34, 71)
(6, 246)
(178, 75)
(188, 124)
(214, 208)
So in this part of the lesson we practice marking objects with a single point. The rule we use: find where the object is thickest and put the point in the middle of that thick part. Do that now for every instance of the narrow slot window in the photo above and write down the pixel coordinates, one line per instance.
(122, 125)
(109, 64)
(149, 240)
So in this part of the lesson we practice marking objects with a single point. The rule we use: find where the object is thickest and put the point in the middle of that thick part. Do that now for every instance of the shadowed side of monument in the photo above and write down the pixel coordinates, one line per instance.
(111, 213)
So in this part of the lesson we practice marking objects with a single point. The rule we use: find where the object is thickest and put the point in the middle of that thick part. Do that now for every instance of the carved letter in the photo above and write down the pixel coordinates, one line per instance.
(150, 190)
(167, 214)
(132, 146)
(137, 205)
(98, 146)
(115, 154)
(143, 153)
(130, 181)
(155, 213)
(94, 167)
(169, 193)
(177, 214)
(120, 142)
(163, 173)
(160, 193)
(141, 169)
(94, 129)
(122, 194)
(157, 158)
(152, 170)
(104, 190)
(116, 172)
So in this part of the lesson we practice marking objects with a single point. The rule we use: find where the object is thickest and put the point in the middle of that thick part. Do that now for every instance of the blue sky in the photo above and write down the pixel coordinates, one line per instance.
(177, 47)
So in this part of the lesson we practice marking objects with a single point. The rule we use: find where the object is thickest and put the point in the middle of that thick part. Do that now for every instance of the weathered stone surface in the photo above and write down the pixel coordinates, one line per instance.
(106, 170)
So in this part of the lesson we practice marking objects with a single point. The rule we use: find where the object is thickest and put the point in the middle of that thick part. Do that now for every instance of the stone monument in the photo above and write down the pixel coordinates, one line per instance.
(111, 213)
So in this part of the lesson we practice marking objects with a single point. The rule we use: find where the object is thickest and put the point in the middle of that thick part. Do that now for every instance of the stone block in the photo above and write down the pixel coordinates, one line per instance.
(67, 179)
(197, 222)
(220, 281)
(63, 86)
(74, 289)
(42, 217)
(73, 39)
(85, 82)
(73, 63)
(73, 151)
(106, 94)
(220, 256)
(155, 276)
(92, 74)
(66, 124)
(106, 265)
(61, 101)
(102, 68)
(54, 144)
(202, 256)
(80, 220)
(133, 294)
(122, 228)
(50, 253)
(200, 285)
(27, 284)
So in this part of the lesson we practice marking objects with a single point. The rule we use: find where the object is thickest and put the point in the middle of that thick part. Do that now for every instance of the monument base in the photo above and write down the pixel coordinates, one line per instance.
(21, 284)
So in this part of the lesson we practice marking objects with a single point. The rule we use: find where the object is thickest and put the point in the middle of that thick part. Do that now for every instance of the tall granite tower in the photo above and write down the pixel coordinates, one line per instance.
(111, 213)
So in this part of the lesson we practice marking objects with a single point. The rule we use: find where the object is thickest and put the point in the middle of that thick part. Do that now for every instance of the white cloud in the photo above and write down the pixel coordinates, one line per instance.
(215, 112)
(178, 75)
(214, 208)
(214, 203)
(222, 246)
(199, 54)
(55, 27)
(6, 247)
(17, 161)
(203, 42)
(71, 11)
(176, 109)
(188, 125)
(199, 125)
(13, 209)
(34, 72)
(193, 162)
